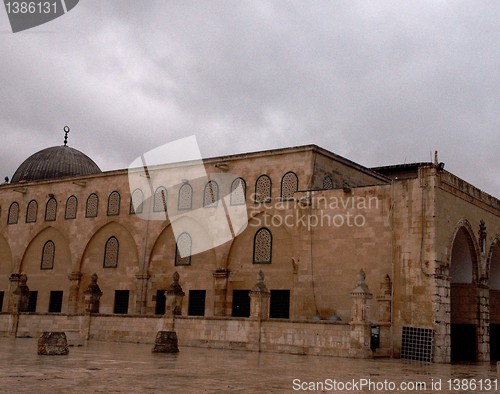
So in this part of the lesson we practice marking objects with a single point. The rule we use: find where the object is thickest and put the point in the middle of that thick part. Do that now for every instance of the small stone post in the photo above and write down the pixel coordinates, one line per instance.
(260, 298)
(53, 344)
(92, 295)
(360, 323)
(174, 296)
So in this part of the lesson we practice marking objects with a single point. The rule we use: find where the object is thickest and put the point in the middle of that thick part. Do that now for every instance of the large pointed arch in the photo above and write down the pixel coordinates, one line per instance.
(493, 269)
(198, 275)
(111, 277)
(464, 306)
(44, 278)
(6, 269)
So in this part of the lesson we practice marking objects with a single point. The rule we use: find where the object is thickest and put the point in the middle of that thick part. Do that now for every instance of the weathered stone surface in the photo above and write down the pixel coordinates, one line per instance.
(53, 344)
(166, 342)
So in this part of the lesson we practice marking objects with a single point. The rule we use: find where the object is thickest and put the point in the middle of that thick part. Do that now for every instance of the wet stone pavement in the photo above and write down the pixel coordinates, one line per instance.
(103, 367)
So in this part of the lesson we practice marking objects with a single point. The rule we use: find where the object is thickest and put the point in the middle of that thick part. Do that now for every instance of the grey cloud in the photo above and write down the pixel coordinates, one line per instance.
(378, 82)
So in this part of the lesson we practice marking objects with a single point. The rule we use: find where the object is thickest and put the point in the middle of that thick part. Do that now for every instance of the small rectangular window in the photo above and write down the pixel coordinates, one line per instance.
(160, 302)
(55, 302)
(241, 303)
(32, 301)
(1, 300)
(197, 302)
(121, 301)
(280, 304)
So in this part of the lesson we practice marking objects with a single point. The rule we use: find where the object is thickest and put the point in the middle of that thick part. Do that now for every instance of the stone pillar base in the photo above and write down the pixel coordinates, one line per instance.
(53, 344)
(166, 342)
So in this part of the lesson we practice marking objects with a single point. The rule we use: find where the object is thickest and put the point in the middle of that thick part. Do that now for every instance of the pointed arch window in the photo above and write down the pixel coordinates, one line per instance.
(71, 207)
(48, 253)
(111, 253)
(185, 197)
(31, 211)
(327, 183)
(262, 246)
(92, 206)
(211, 194)
(289, 185)
(160, 200)
(13, 216)
(263, 189)
(183, 248)
(137, 201)
(238, 192)
(51, 210)
(114, 204)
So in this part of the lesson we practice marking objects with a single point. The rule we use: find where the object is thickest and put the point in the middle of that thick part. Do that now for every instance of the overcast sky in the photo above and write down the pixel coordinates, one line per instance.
(378, 82)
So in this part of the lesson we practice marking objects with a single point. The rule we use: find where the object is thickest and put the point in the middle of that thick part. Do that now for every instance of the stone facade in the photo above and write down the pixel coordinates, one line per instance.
(428, 244)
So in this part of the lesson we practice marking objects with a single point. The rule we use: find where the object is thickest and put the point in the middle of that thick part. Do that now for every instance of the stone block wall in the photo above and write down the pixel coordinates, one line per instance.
(318, 338)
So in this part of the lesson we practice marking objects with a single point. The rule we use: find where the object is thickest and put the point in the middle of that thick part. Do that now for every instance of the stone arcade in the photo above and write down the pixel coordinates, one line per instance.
(334, 255)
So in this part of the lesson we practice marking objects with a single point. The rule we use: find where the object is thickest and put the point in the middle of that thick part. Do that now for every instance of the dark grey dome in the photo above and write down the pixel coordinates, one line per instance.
(55, 162)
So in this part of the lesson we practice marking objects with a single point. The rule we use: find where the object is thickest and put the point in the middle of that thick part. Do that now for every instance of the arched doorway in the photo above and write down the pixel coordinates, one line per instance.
(463, 294)
(495, 302)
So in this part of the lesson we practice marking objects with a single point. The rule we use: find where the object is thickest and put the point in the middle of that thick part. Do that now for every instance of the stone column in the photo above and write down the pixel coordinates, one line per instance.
(360, 322)
(174, 296)
(142, 286)
(74, 289)
(385, 300)
(260, 298)
(220, 293)
(13, 298)
(483, 334)
(22, 293)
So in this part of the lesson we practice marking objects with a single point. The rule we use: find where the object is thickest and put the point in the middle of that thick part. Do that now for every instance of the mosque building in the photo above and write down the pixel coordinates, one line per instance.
(333, 258)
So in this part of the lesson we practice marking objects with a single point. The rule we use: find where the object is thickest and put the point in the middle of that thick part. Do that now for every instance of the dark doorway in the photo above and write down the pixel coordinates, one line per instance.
(55, 302)
(160, 302)
(495, 342)
(280, 304)
(32, 301)
(463, 342)
(1, 300)
(241, 303)
(121, 301)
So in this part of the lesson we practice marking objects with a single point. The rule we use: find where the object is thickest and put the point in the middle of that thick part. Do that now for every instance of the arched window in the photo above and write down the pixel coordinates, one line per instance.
(48, 253)
(71, 207)
(160, 200)
(13, 216)
(185, 197)
(111, 253)
(262, 246)
(183, 249)
(263, 189)
(327, 183)
(238, 191)
(211, 194)
(137, 201)
(31, 212)
(92, 206)
(114, 204)
(289, 185)
(51, 210)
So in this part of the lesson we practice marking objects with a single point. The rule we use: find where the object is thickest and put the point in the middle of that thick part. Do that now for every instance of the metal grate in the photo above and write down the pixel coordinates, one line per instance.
(71, 206)
(114, 204)
(289, 185)
(417, 344)
(50, 210)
